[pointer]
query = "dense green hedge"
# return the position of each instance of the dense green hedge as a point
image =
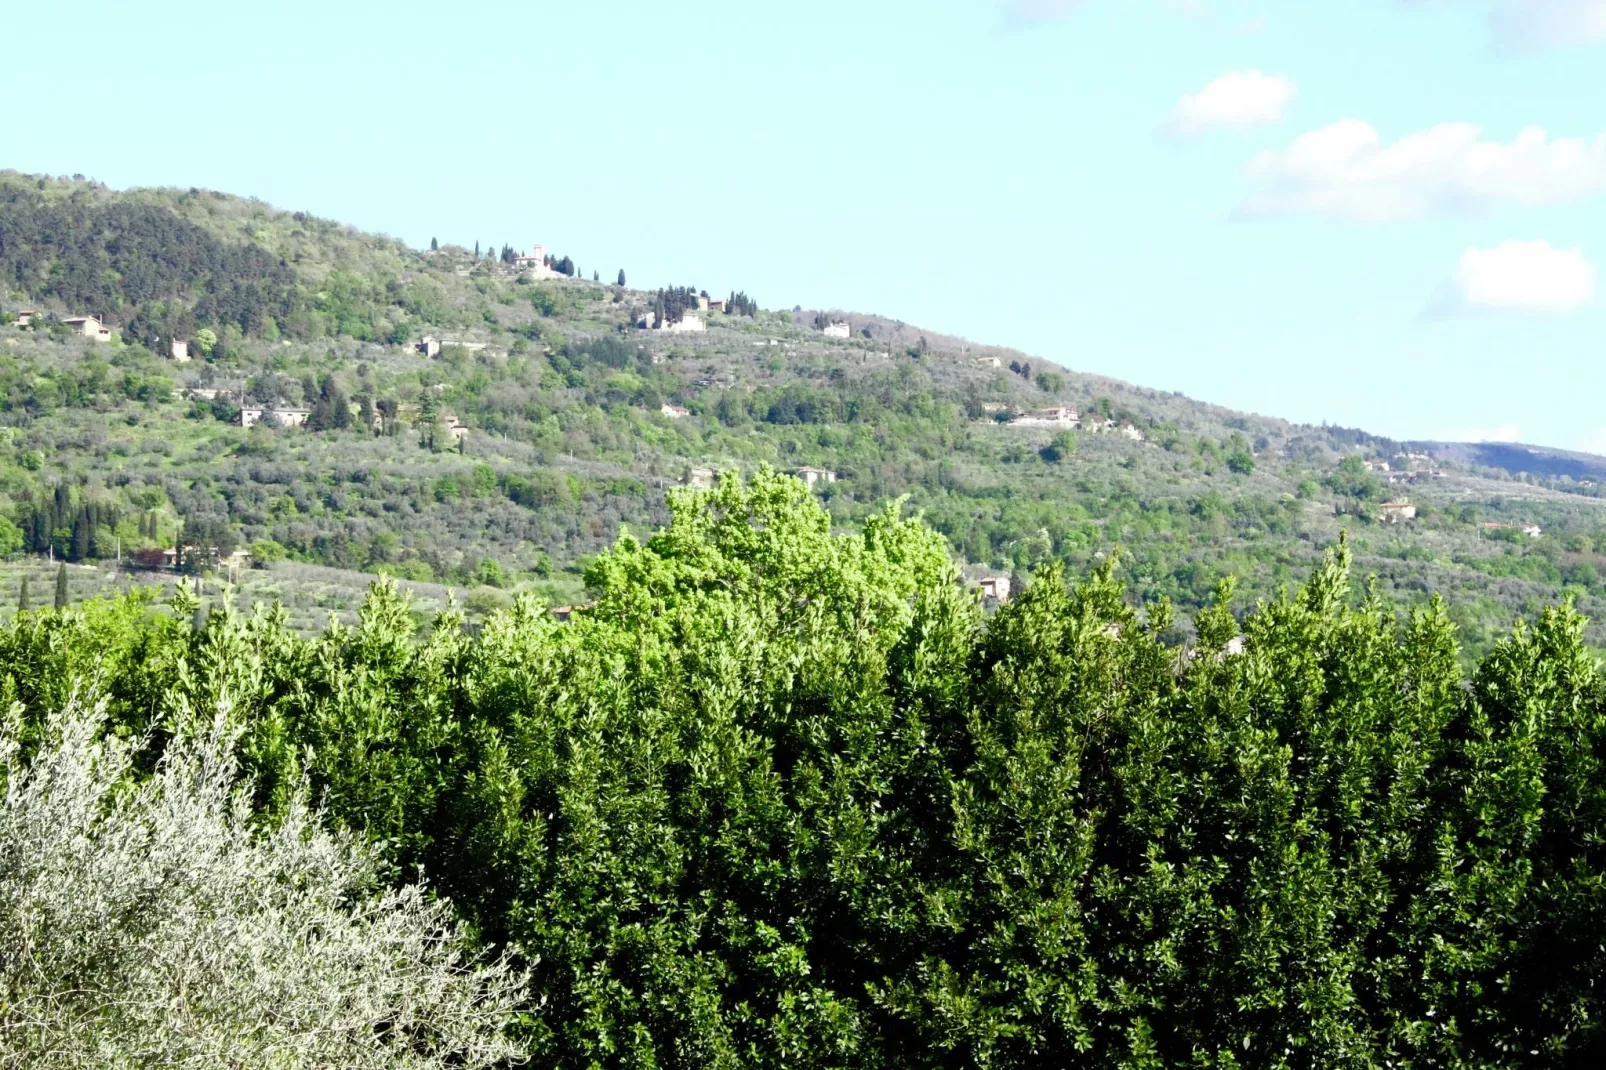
(787, 798)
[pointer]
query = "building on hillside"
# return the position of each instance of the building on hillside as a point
(204, 393)
(1396, 511)
(716, 305)
(534, 265)
(994, 588)
(1533, 531)
(26, 316)
(702, 478)
(235, 563)
(282, 416)
(428, 346)
(989, 362)
(1131, 431)
(455, 427)
(689, 324)
(674, 412)
(179, 351)
(813, 477)
(1059, 416)
(702, 303)
(837, 329)
(1376, 466)
(90, 327)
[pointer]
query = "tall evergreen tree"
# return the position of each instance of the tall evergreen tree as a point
(434, 246)
(621, 281)
(22, 597)
(79, 549)
(61, 586)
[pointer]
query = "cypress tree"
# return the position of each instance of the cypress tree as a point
(621, 282)
(80, 537)
(434, 246)
(22, 597)
(61, 586)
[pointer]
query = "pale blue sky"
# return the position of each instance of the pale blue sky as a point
(1015, 171)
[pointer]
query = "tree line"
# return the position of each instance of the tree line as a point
(782, 796)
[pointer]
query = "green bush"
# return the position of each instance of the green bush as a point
(780, 796)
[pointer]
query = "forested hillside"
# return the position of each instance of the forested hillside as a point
(1244, 767)
(544, 421)
(786, 796)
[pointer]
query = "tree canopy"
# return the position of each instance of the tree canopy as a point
(780, 795)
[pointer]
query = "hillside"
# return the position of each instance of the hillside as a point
(548, 421)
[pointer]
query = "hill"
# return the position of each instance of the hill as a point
(545, 421)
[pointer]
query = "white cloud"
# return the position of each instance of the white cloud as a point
(1530, 24)
(1345, 171)
(1518, 276)
(1503, 433)
(1238, 99)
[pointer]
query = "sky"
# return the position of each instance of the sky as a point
(1388, 214)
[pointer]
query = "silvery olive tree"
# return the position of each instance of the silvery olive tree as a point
(149, 921)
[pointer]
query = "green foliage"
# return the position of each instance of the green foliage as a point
(155, 272)
(780, 795)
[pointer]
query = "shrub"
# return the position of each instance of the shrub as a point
(151, 924)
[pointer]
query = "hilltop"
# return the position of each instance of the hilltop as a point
(476, 425)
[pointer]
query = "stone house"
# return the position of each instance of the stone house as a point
(674, 412)
(995, 588)
(180, 351)
(837, 329)
(1396, 511)
(813, 477)
(90, 327)
(702, 478)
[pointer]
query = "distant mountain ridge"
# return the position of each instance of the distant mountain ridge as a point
(1519, 457)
